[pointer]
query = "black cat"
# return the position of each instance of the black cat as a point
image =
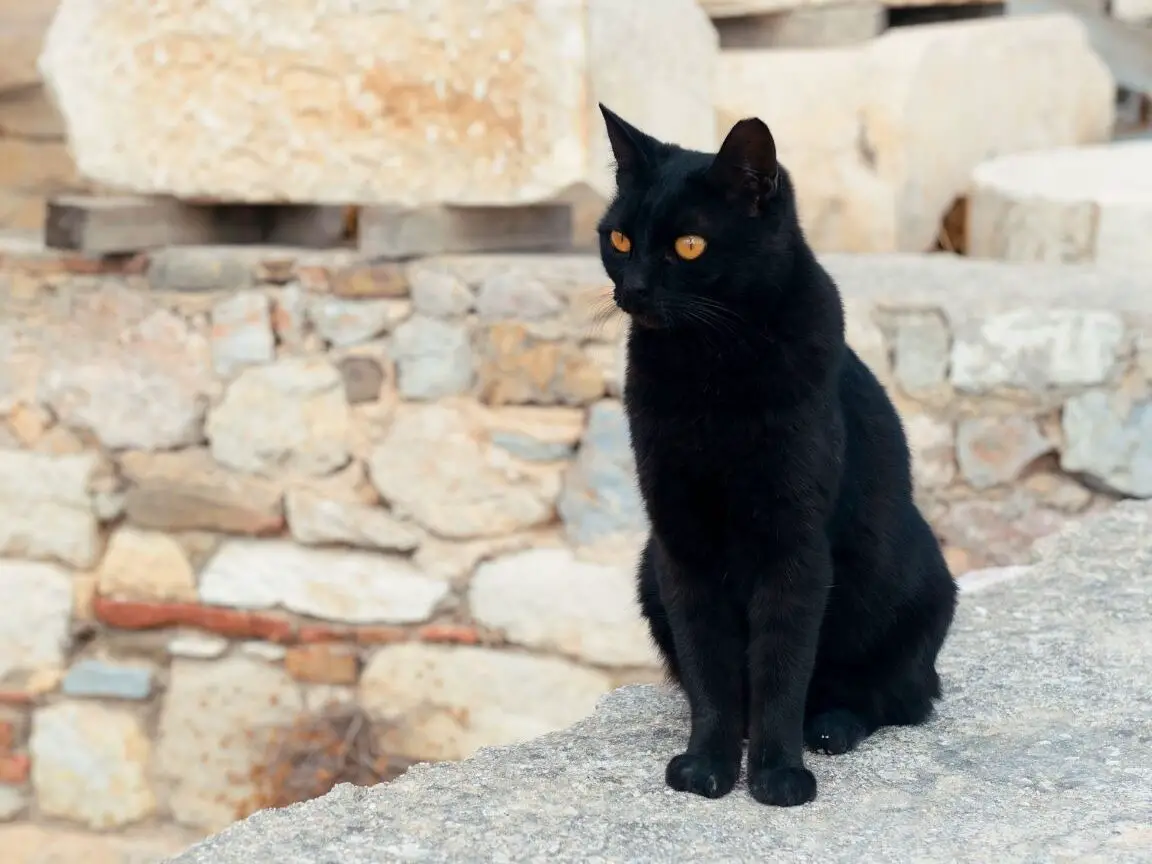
(795, 591)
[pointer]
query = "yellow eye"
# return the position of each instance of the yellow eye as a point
(690, 246)
(620, 242)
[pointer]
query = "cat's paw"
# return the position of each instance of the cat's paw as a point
(783, 787)
(701, 775)
(834, 732)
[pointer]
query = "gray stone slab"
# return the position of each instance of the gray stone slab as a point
(1040, 753)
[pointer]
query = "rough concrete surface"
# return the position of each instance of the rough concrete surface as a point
(1040, 753)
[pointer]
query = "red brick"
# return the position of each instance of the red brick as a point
(16, 697)
(455, 634)
(7, 736)
(380, 635)
(324, 663)
(15, 768)
(310, 634)
(233, 623)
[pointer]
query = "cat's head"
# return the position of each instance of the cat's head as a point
(692, 238)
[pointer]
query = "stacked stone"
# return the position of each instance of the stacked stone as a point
(239, 484)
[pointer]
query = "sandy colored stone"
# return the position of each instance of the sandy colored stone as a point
(136, 376)
(1065, 205)
(187, 490)
(450, 701)
(22, 27)
(146, 565)
(322, 664)
(515, 368)
(90, 765)
(35, 601)
(46, 512)
(437, 465)
(210, 735)
(447, 101)
(994, 450)
(333, 584)
(548, 600)
(318, 520)
(873, 135)
(25, 843)
(291, 415)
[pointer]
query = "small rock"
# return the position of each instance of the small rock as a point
(266, 651)
(95, 678)
(548, 600)
(209, 747)
(600, 497)
(537, 434)
(931, 441)
(438, 293)
(138, 378)
(185, 268)
(1110, 439)
(90, 764)
(324, 663)
(922, 345)
(290, 315)
(369, 281)
(437, 465)
(316, 520)
(197, 646)
(291, 415)
(433, 358)
(46, 511)
(514, 296)
(335, 585)
(29, 423)
(1059, 491)
(448, 701)
(13, 802)
(145, 565)
(362, 377)
(35, 603)
(188, 491)
(1037, 349)
(994, 450)
(348, 322)
(241, 333)
(1000, 532)
(517, 368)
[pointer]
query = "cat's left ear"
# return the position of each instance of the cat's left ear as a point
(746, 169)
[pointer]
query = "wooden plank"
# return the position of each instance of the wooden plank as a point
(311, 226)
(398, 233)
(105, 226)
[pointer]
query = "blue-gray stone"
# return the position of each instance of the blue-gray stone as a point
(95, 678)
(1110, 440)
(600, 496)
(531, 449)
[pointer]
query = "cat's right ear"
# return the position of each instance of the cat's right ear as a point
(631, 148)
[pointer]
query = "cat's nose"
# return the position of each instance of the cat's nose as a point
(635, 286)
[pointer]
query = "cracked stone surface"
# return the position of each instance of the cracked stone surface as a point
(1039, 753)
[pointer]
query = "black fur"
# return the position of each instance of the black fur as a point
(793, 588)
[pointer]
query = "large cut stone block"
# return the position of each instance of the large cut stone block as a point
(449, 101)
(882, 139)
(1067, 205)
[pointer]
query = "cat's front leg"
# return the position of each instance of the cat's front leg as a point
(784, 628)
(708, 635)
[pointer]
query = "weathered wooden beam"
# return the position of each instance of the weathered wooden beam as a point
(400, 232)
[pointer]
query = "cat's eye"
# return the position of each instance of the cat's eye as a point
(690, 246)
(620, 242)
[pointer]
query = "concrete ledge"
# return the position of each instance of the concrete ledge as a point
(1039, 753)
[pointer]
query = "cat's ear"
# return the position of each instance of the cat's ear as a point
(746, 169)
(632, 149)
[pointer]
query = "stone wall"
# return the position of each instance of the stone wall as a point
(239, 485)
